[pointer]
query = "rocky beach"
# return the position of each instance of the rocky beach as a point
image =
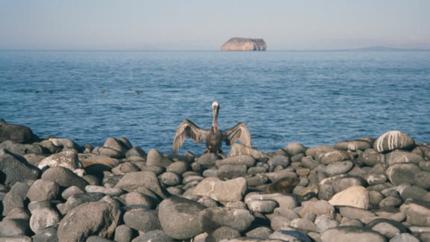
(371, 189)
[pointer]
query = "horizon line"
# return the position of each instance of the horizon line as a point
(369, 48)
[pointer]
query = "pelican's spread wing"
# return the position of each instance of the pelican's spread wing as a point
(238, 133)
(188, 129)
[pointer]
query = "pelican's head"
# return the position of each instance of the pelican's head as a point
(215, 108)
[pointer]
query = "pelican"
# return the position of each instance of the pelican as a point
(213, 136)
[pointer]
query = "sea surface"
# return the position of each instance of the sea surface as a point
(286, 96)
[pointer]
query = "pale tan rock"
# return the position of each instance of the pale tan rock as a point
(355, 196)
(222, 191)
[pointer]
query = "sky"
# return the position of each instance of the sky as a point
(205, 25)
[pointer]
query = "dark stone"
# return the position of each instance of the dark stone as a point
(356, 213)
(78, 199)
(246, 160)
(124, 168)
(317, 207)
(347, 181)
(223, 233)
(13, 227)
(23, 149)
(16, 133)
(317, 150)
(97, 239)
(388, 228)
(135, 151)
(239, 219)
(338, 168)
(18, 213)
(353, 145)
(42, 190)
(177, 167)
(134, 180)
(114, 147)
(42, 218)
(279, 160)
(38, 205)
(64, 177)
(174, 211)
(413, 192)
(417, 212)
(370, 157)
(408, 173)
(406, 237)
(400, 156)
(97, 170)
(70, 191)
(259, 233)
(15, 198)
(15, 168)
(94, 218)
(231, 171)
(290, 235)
(351, 233)
(207, 160)
(142, 220)
(333, 156)
(154, 158)
(63, 144)
(390, 202)
(46, 235)
(170, 179)
(123, 233)
(19, 238)
(153, 236)
(138, 200)
(284, 185)
(294, 149)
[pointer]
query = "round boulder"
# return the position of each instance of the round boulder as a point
(93, 218)
(180, 218)
(64, 177)
(42, 218)
(16, 133)
(42, 190)
(350, 233)
(392, 140)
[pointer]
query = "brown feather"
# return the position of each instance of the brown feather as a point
(238, 133)
(188, 129)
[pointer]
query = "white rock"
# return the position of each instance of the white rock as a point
(67, 159)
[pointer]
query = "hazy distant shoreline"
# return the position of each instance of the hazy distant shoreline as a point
(363, 49)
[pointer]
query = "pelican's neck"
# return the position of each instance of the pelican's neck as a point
(215, 120)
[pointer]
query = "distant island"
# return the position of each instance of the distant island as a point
(244, 44)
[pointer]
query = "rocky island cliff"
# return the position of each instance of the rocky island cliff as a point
(244, 44)
(367, 189)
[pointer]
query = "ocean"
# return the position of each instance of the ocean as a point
(311, 97)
